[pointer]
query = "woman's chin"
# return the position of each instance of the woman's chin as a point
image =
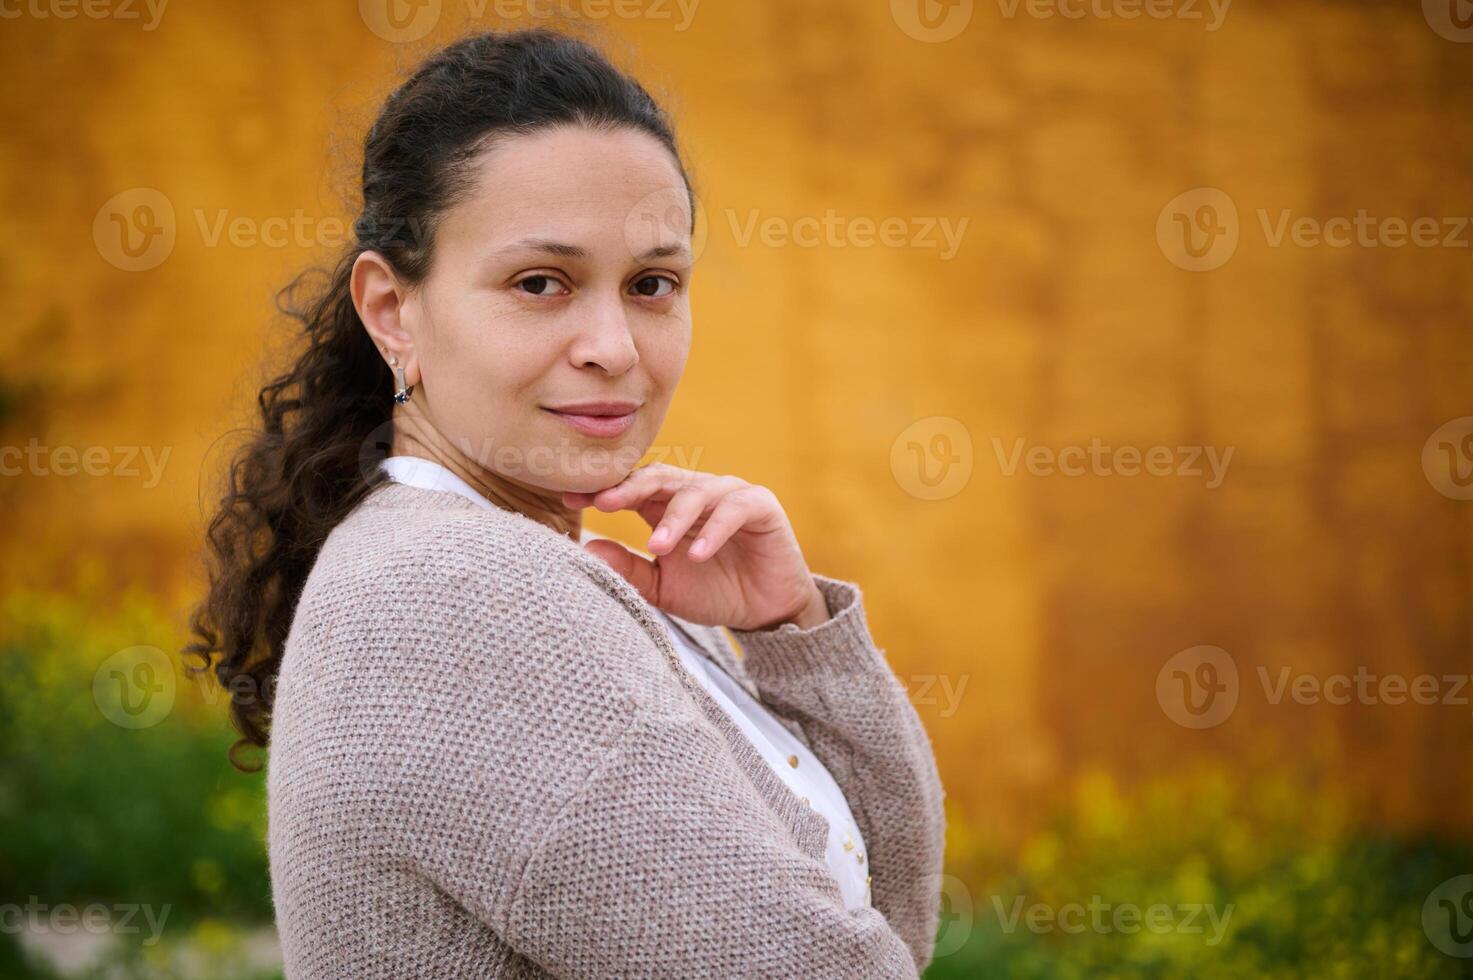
(594, 481)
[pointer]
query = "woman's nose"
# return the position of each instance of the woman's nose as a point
(604, 339)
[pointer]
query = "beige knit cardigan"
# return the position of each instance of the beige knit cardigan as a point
(487, 760)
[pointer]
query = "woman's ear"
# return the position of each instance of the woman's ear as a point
(380, 299)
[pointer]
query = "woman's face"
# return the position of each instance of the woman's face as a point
(561, 280)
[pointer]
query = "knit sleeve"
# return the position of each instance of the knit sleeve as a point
(855, 714)
(568, 792)
(667, 864)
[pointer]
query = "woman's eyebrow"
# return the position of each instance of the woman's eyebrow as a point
(664, 251)
(544, 245)
(564, 250)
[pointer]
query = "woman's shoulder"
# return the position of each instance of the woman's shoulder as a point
(456, 651)
(438, 527)
(405, 546)
(427, 595)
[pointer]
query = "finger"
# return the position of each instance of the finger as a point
(639, 572)
(685, 509)
(655, 480)
(618, 496)
(731, 514)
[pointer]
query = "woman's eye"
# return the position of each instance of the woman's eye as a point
(538, 285)
(651, 286)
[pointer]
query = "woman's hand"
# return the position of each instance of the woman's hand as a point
(725, 552)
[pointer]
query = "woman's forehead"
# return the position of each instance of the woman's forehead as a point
(571, 185)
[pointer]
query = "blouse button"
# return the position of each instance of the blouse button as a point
(805, 800)
(793, 761)
(859, 857)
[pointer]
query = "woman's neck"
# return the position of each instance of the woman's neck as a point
(415, 436)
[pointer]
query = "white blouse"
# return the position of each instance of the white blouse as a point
(789, 758)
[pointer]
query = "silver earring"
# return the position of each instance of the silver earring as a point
(402, 391)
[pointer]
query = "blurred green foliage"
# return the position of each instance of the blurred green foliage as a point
(1296, 887)
(91, 811)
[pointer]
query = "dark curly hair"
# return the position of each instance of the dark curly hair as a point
(305, 469)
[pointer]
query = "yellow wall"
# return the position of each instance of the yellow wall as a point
(1061, 318)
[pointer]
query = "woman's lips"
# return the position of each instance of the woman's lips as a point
(598, 426)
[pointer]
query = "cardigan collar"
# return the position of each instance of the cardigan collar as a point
(429, 474)
(810, 828)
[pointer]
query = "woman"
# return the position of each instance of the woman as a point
(499, 745)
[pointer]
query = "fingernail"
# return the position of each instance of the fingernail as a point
(699, 548)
